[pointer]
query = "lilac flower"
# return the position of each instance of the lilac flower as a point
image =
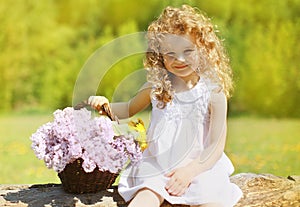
(76, 134)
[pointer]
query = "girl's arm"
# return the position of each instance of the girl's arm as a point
(216, 134)
(139, 102)
(125, 110)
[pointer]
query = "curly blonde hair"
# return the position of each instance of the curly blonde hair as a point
(181, 21)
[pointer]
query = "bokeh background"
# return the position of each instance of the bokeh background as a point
(45, 44)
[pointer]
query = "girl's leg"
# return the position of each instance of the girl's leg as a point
(146, 198)
(209, 205)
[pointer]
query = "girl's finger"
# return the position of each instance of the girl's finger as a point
(90, 99)
(175, 189)
(180, 192)
(169, 174)
(171, 183)
(96, 101)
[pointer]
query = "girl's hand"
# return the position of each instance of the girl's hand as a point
(180, 179)
(97, 102)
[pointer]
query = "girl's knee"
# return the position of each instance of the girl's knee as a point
(209, 205)
(146, 197)
(148, 191)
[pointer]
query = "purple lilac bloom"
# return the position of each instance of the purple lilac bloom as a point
(75, 134)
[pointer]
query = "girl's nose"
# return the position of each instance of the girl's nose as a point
(181, 57)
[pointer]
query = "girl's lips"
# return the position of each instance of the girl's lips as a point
(180, 66)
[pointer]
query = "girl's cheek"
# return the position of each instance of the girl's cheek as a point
(195, 61)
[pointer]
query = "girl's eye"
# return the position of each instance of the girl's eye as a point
(188, 51)
(170, 54)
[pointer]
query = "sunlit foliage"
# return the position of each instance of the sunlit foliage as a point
(44, 45)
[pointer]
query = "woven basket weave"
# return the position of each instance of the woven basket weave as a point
(75, 180)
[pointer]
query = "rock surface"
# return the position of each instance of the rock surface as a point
(259, 190)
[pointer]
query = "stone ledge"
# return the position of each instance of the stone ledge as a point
(259, 190)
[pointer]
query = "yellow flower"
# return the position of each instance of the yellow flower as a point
(140, 128)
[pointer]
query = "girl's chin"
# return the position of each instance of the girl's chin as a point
(183, 72)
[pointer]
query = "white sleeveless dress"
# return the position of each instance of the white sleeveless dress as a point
(177, 135)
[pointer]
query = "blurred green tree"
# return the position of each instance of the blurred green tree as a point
(45, 44)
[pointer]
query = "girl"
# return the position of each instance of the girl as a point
(189, 81)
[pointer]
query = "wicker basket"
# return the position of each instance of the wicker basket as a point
(75, 180)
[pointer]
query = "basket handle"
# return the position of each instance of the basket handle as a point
(104, 108)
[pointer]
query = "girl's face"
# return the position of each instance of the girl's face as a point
(180, 56)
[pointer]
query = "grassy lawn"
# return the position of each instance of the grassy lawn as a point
(254, 145)
(18, 163)
(264, 145)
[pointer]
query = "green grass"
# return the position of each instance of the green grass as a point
(18, 163)
(254, 145)
(264, 145)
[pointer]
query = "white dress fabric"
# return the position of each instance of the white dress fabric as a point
(177, 134)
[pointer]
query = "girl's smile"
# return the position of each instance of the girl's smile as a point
(180, 66)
